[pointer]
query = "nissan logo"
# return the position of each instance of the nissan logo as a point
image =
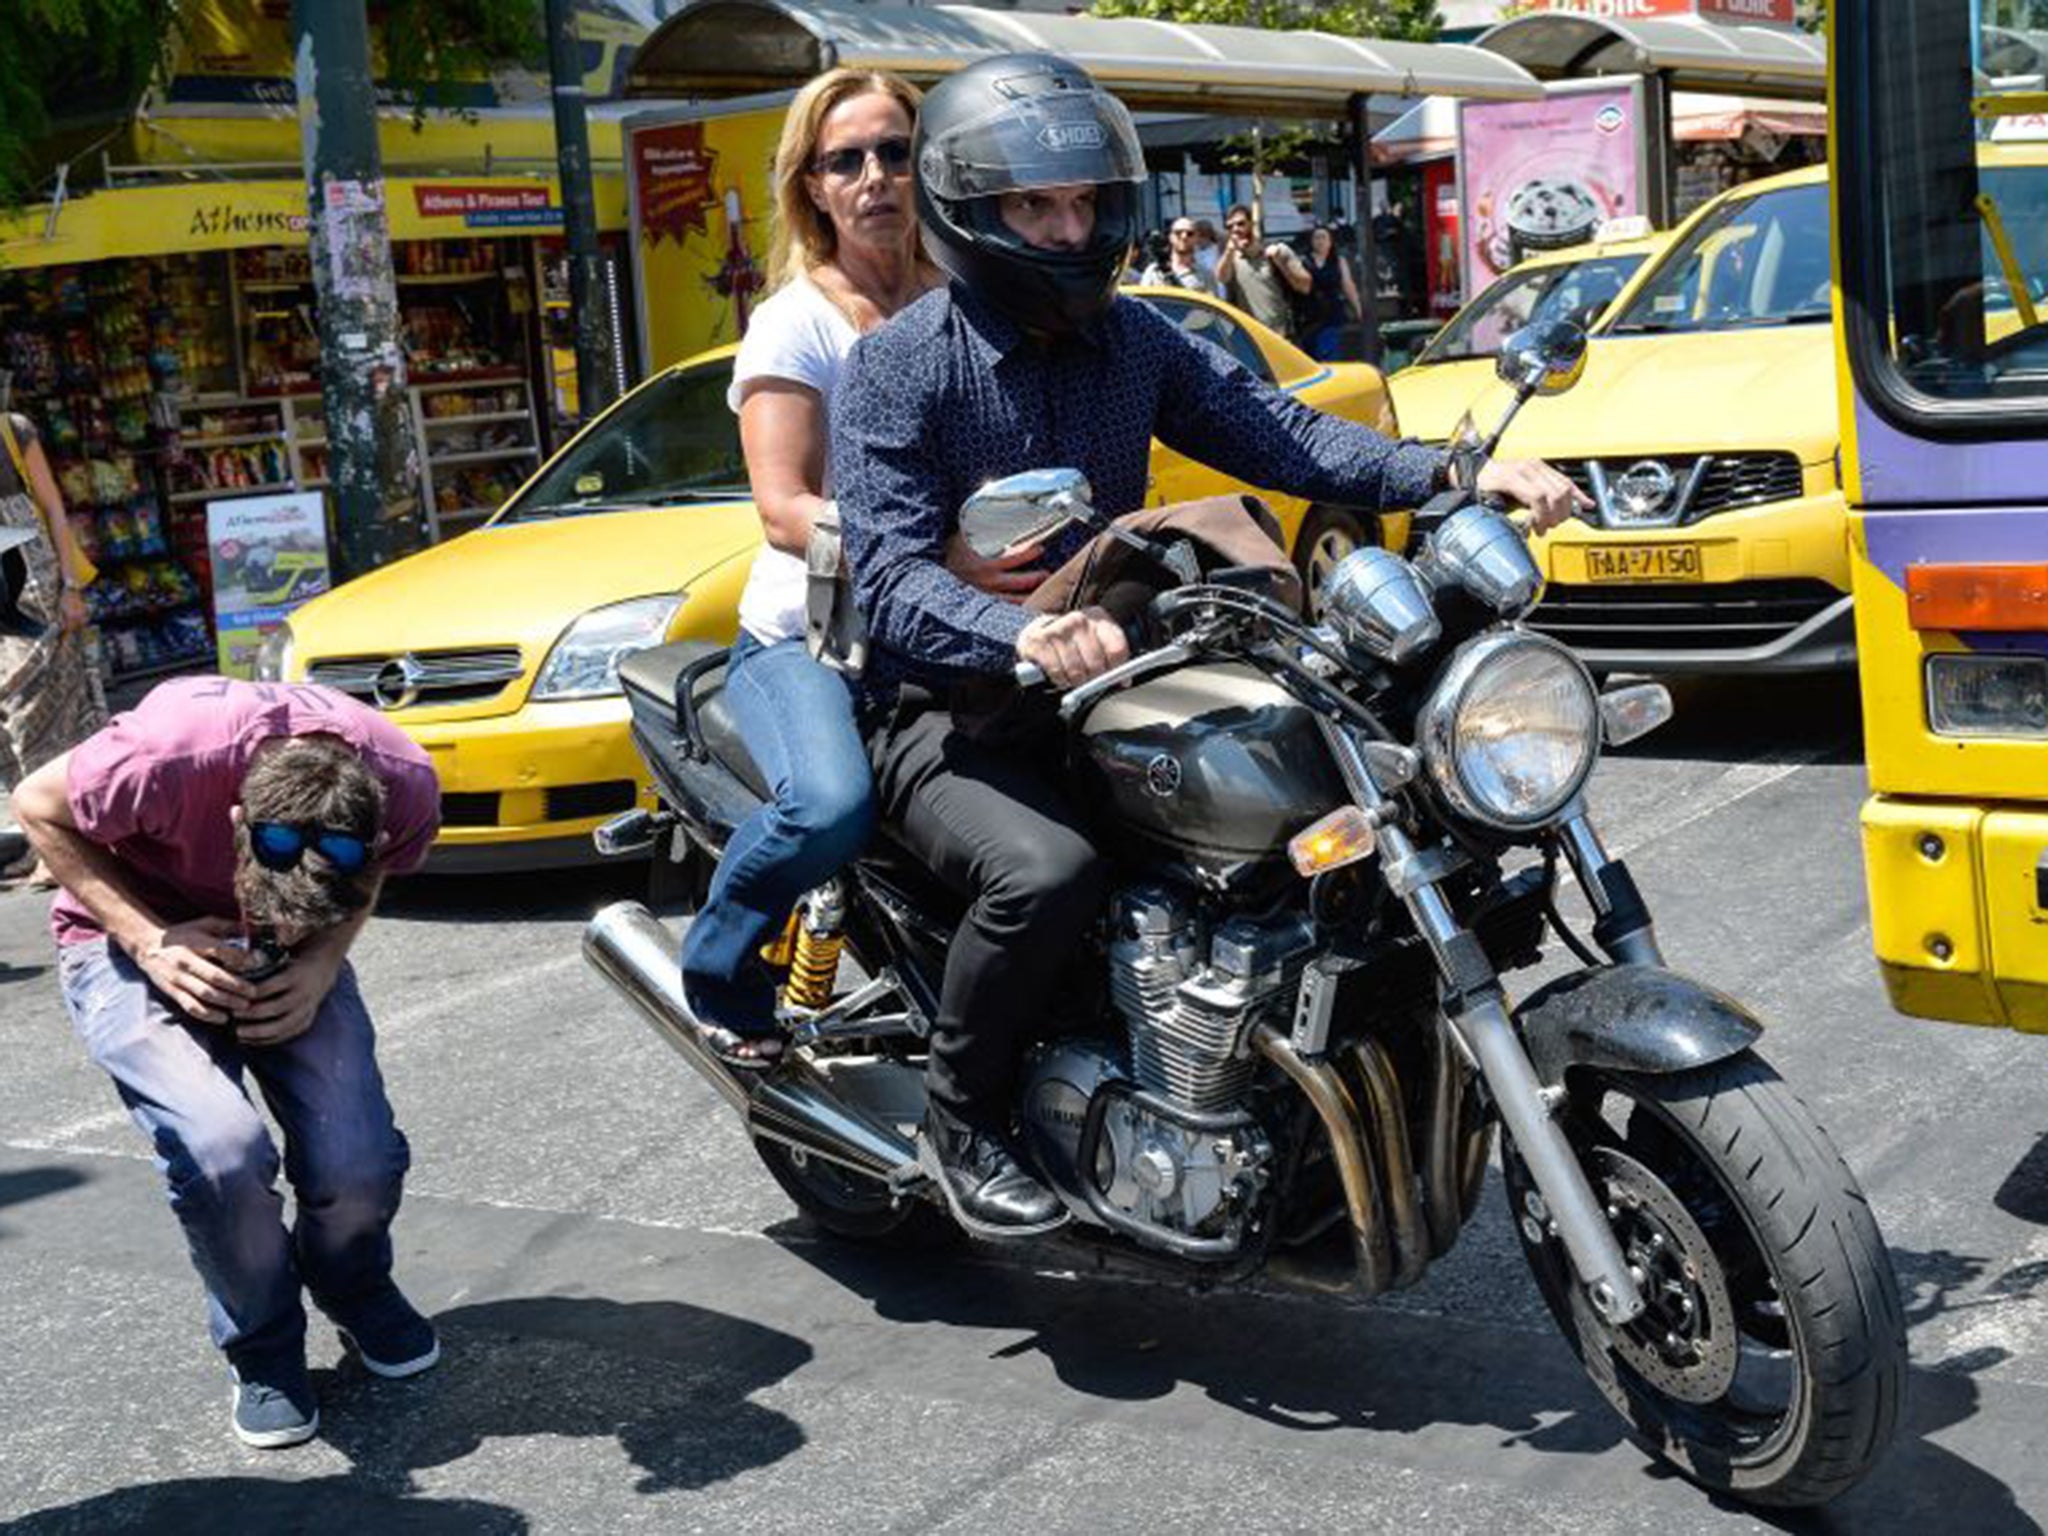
(1643, 491)
(397, 683)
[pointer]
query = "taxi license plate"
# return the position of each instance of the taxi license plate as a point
(1644, 562)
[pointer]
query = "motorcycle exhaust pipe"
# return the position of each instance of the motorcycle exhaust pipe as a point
(1363, 1207)
(1386, 1120)
(634, 951)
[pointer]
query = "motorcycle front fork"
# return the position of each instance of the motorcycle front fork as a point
(1477, 1009)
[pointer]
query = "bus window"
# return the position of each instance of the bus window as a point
(1950, 304)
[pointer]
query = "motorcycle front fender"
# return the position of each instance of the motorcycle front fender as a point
(1632, 1018)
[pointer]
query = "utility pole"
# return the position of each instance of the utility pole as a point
(589, 294)
(372, 453)
(1368, 259)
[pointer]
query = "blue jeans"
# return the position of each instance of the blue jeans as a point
(797, 720)
(346, 1159)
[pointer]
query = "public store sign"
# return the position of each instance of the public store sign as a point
(484, 206)
(1777, 13)
(269, 555)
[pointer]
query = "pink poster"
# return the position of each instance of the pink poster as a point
(1537, 175)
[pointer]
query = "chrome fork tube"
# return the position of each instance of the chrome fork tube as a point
(1481, 1025)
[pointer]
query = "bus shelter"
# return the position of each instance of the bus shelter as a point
(714, 57)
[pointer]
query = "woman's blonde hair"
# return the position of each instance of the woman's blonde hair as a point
(804, 236)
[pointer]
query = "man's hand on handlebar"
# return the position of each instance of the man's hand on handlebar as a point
(1531, 483)
(1070, 648)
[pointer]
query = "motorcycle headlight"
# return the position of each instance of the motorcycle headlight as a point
(585, 662)
(274, 655)
(1511, 730)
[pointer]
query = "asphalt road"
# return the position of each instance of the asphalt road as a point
(640, 1336)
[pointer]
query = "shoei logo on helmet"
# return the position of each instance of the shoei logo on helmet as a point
(1060, 137)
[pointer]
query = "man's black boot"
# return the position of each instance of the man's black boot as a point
(988, 1191)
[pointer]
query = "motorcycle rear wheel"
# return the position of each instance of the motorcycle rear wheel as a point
(1771, 1360)
(851, 1206)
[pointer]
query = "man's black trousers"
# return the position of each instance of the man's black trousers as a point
(993, 822)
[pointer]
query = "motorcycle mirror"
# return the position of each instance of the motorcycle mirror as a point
(1545, 358)
(1025, 508)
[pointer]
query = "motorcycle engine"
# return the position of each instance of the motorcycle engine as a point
(1189, 1019)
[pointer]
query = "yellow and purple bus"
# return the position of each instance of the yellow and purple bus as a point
(1940, 156)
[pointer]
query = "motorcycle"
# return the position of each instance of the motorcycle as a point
(1288, 1048)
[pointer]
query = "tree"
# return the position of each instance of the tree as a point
(1410, 20)
(72, 71)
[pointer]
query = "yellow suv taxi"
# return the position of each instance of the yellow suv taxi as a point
(1705, 430)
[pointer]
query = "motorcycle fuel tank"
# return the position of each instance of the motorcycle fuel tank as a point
(1214, 767)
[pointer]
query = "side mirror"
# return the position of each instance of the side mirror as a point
(1025, 508)
(1546, 358)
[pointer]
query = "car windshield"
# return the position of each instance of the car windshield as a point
(674, 440)
(1754, 261)
(1577, 291)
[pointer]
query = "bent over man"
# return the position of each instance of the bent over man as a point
(219, 849)
(1027, 195)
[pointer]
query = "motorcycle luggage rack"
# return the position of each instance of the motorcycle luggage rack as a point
(688, 732)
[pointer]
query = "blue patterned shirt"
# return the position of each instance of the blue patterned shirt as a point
(949, 395)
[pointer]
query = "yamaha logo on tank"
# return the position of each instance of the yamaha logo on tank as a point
(1162, 775)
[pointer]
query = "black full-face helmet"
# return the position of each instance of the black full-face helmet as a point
(1010, 124)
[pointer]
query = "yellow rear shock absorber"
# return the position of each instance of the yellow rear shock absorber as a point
(820, 935)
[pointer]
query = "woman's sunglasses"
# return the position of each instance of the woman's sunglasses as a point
(850, 160)
(279, 845)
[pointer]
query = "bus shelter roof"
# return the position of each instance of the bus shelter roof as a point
(717, 48)
(1693, 54)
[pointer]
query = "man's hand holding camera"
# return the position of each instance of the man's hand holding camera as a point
(193, 965)
(284, 1004)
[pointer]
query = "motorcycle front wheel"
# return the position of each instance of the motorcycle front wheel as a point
(1770, 1359)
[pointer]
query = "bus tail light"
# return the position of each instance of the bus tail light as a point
(1996, 597)
(1987, 695)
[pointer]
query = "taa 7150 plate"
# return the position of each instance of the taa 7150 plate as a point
(1644, 562)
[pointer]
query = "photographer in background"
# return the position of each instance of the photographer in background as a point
(220, 847)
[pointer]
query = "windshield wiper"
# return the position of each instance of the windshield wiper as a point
(625, 503)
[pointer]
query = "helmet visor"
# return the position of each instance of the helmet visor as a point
(1051, 139)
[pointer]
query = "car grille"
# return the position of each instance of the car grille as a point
(1707, 616)
(469, 808)
(421, 677)
(1730, 480)
(573, 802)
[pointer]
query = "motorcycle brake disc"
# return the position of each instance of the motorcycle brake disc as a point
(1684, 1344)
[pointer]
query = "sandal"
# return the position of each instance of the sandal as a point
(749, 1053)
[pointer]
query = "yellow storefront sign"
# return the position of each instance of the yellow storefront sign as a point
(225, 215)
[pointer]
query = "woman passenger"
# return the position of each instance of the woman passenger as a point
(845, 257)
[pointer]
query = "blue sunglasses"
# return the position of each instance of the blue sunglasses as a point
(279, 845)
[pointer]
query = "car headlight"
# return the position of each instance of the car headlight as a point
(1511, 730)
(585, 662)
(274, 655)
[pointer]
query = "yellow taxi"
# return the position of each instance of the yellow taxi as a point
(499, 651)
(1705, 430)
(1575, 283)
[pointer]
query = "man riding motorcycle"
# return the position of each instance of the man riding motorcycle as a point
(1027, 195)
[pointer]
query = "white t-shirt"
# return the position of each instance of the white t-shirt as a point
(801, 336)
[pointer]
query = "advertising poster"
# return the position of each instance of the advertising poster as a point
(269, 555)
(1539, 175)
(702, 214)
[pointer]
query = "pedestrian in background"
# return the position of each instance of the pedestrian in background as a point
(1180, 269)
(1208, 251)
(1332, 296)
(1260, 279)
(51, 695)
(220, 846)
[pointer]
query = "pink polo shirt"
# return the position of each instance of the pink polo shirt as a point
(157, 785)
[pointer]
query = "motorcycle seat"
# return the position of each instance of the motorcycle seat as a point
(649, 679)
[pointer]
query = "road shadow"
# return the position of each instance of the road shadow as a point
(20, 1185)
(207, 1505)
(2024, 1192)
(1744, 719)
(528, 895)
(1337, 1367)
(670, 1382)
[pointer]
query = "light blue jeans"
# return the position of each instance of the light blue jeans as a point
(183, 1083)
(797, 719)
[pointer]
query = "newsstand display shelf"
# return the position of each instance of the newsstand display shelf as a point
(477, 443)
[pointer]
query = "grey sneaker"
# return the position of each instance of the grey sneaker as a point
(388, 1335)
(274, 1404)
